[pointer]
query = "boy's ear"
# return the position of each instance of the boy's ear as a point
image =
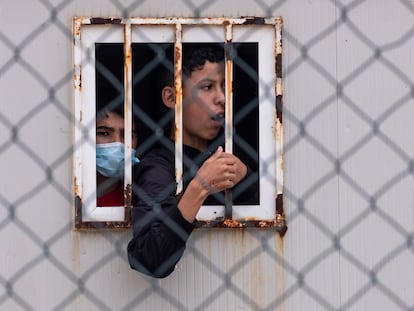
(168, 96)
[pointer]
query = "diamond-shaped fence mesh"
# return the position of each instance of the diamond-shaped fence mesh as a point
(348, 155)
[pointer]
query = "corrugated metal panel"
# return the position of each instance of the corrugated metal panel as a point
(348, 233)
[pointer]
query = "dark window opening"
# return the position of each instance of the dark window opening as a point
(152, 64)
(246, 117)
(109, 123)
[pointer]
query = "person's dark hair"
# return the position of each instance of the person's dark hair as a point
(103, 110)
(195, 56)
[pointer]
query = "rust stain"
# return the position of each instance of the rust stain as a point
(178, 56)
(127, 50)
(231, 223)
(78, 211)
(279, 224)
(95, 225)
(77, 78)
(279, 108)
(246, 20)
(105, 20)
(128, 82)
(279, 20)
(278, 65)
(76, 187)
(254, 21)
(104, 225)
(229, 91)
(76, 45)
(280, 218)
(278, 68)
(177, 78)
(128, 203)
(77, 27)
(178, 107)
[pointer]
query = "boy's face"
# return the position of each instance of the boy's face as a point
(203, 105)
(110, 128)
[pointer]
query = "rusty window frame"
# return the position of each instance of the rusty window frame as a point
(86, 215)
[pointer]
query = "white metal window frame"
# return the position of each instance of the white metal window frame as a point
(266, 32)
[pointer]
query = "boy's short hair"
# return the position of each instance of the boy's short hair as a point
(104, 112)
(195, 56)
(115, 106)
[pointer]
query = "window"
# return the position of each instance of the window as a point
(119, 61)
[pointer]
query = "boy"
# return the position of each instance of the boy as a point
(110, 157)
(162, 222)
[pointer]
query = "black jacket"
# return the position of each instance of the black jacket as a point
(160, 232)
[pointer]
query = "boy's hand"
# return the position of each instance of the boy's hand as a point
(221, 171)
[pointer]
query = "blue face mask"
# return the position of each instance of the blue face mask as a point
(110, 159)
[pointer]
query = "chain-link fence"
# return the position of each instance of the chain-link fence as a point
(348, 169)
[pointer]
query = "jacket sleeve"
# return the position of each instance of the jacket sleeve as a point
(159, 230)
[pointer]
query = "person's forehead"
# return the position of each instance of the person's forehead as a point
(113, 120)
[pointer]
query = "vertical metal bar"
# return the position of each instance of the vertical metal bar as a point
(178, 47)
(228, 127)
(279, 106)
(128, 112)
(78, 157)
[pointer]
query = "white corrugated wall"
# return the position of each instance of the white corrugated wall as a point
(348, 167)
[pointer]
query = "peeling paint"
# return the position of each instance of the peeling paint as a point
(279, 224)
(178, 54)
(77, 22)
(251, 20)
(76, 187)
(109, 20)
(128, 203)
(255, 21)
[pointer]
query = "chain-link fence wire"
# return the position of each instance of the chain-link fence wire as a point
(10, 139)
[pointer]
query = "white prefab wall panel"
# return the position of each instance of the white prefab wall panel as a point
(376, 151)
(348, 180)
(312, 206)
